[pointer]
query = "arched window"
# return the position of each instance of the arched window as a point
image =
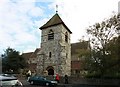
(66, 37)
(51, 35)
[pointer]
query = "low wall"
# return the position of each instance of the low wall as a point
(88, 81)
(94, 81)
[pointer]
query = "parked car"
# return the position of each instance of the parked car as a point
(8, 75)
(39, 80)
(9, 81)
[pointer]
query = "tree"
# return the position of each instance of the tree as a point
(114, 52)
(102, 36)
(12, 60)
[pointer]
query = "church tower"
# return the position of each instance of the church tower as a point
(55, 54)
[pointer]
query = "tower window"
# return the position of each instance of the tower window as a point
(50, 54)
(50, 35)
(66, 37)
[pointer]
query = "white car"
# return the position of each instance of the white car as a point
(9, 81)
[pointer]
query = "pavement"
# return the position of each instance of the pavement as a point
(64, 85)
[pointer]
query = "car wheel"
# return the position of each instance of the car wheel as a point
(47, 84)
(31, 82)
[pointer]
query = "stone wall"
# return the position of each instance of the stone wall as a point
(60, 50)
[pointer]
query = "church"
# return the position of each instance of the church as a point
(55, 54)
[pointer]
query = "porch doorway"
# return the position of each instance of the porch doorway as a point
(50, 70)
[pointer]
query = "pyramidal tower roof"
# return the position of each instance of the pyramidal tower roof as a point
(55, 20)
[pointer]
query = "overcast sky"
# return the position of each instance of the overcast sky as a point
(20, 19)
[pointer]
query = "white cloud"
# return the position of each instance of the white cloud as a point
(17, 25)
(20, 27)
(79, 14)
(36, 12)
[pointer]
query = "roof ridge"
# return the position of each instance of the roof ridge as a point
(55, 20)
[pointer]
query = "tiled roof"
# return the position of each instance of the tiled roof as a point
(55, 20)
(34, 54)
(27, 55)
(31, 54)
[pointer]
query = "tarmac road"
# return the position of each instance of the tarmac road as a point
(27, 84)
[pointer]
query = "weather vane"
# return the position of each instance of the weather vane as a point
(56, 8)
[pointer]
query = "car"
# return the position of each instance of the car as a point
(7, 75)
(9, 81)
(40, 80)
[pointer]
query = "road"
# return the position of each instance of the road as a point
(27, 84)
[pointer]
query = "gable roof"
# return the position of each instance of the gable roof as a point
(34, 54)
(31, 54)
(27, 55)
(55, 20)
